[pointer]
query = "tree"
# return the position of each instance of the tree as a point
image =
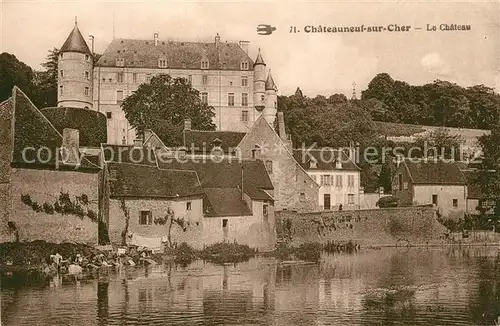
(14, 73)
(46, 81)
(163, 104)
(337, 99)
(488, 177)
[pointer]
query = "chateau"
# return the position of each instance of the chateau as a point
(238, 88)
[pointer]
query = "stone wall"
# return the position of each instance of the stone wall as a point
(388, 226)
(45, 186)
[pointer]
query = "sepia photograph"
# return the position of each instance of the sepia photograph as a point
(281, 163)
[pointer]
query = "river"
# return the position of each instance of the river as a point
(391, 286)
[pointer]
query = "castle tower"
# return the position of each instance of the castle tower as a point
(271, 100)
(259, 83)
(74, 82)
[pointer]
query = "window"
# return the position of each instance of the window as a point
(87, 57)
(204, 79)
(244, 116)
(62, 55)
(119, 77)
(455, 202)
(350, 199)
(86, 75)
(190, 78)
(326, 179)
(262, 98)
(146, 218)
(62, 73)
(134, 77)
(405, 185)
(350, 181)
(86, 91)
(204, 64)
(120, 62)
(108, 115)
(188, 206)
(244, 65)
(61, 90)
(230, 99)
(119, 97)
(434, 199)
(112, 174)
(265, 211)
(244, 99)
(313, 164)
(244, 81)
(204, 97)
(269, 166)
(148, 78)
(224, 223)
(338, 181)
(124, 141)
(302, 196)
(162, 63)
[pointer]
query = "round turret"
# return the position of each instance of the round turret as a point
(75, 66)
(271, 100)
(259, 83)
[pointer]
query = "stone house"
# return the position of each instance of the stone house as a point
(337, 175)
(238, 203)
(294, 188)
(48, 188)
(431, 182)
(152, 207)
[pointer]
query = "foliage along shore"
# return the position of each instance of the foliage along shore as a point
(35, 255)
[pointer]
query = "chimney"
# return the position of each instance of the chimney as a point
(281, 126)
(217, 40)
(244, 46)
(156, 39)
(70, 146)
(187, 124)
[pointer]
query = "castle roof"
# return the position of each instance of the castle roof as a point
(206, 140)
(75, 42)
(324, 159)
(270, 85)
(179, 55)
(259, 60)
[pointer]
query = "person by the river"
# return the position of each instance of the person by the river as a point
(57, 259)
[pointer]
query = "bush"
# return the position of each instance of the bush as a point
(389, 201)
(224, 252)
(184, 254)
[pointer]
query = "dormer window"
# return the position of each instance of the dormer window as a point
(204, 64)
(313, 164)
(162, 63)
(120, 62)
(217, 142)
(244, 65)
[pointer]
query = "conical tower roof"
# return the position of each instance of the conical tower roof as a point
(270, 85)
(259, 60)
(75, 42)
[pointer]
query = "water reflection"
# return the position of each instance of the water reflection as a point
(447, 286)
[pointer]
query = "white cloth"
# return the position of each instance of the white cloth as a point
(150, 243)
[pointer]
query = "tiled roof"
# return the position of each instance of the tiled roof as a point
(224, 202)
(134, 180)
(435, 172)
(129, 154)
(75, 43)
(207, 139)
(34, 132)
(228, 175)
(270, 85)
(259, 60)
(325, 159)
(179, 55)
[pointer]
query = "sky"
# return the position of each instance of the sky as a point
(319, 63)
